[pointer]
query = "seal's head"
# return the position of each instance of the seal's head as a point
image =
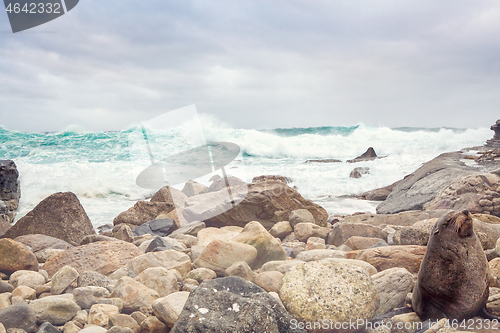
(458, 222)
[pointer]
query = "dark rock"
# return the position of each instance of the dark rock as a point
(158, 244)
(160, 227)
(233, 305)
(329, 160)
(267, 202)
(47, 328)
(10, 190)
(18, 315)
(359, 172)
(60, 215)
(91, 278)
(368, 155)
(282, 179)
(5, 287)
(189, 229)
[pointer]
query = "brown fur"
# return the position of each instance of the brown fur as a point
(454, 276)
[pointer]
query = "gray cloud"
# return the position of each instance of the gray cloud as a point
(264, 64)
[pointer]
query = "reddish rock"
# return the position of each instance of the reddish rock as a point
(60, 215)
(267, 202)
(163, 202)
(101, 257)
(406, 256)
(15, 256)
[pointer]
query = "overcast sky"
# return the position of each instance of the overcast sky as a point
(106, 65)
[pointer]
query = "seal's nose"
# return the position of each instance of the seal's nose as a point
(465, 212)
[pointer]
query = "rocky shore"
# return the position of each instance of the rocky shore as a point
(274, 262)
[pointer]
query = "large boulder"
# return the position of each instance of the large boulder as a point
(102, 257)
(232, 304)
(15, 256)
(267, 202)
(163, 202)
(60, 215)
(417, 190)
(10, 191)
(331, 291)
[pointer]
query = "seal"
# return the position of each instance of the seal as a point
(454, 276)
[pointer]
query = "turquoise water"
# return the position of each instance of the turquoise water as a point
(101, 167)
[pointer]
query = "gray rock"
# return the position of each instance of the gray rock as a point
(39, 242)
(232, 304)
(5, 287)
(192, 188)
(426, 183)
(342, 231)
(393, 285)
(47, 328)
(54, 309)
(91, 278)
(159, 227)
(330, 290)
(301, 216)
(158, 244)
(368, 155)
(189, 229)
(10, 190)
(359, 172)
(19, 315)
(85, 297)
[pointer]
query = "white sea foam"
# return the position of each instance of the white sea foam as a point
(98, 169)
